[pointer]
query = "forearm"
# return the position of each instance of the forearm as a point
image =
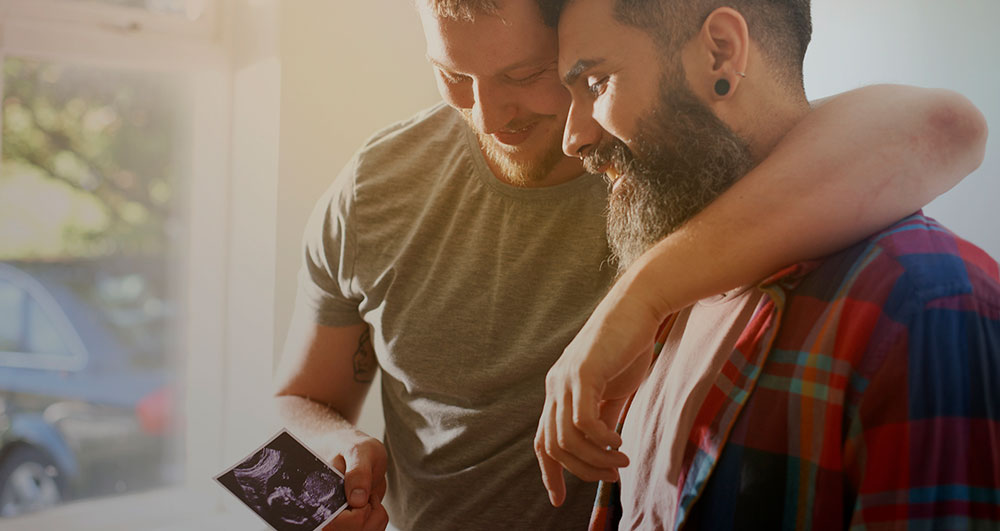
(854, 165)
(321, 426)
(322, 380)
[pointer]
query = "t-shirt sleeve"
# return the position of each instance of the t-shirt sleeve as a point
(926, 446)
(326, 284)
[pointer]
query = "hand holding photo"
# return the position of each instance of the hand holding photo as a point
(287, 485)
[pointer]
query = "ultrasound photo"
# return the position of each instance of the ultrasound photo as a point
(287, 485)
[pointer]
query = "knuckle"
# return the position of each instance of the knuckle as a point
(353, 453)
(551, 380)
(551, 448)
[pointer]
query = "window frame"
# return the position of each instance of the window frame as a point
(225, 207)
(96, 14)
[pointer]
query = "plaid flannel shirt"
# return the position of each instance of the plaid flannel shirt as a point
(864, 394)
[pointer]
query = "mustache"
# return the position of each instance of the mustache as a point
(609, 152)
(516, 124)
(612, 153)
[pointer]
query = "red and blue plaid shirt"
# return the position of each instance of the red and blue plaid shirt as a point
(864, 394)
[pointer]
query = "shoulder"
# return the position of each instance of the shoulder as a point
(933, 260)
(895, 291)
(913, 263)
(402, 156)
(429, 122)
(417, 144)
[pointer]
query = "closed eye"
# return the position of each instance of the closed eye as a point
(596, 88)
(453, 79)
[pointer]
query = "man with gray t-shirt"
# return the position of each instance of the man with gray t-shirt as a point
(460, 252)
(466, 313)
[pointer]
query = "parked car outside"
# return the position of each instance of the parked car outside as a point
(85, 387)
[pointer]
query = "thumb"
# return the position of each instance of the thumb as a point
(358, 477)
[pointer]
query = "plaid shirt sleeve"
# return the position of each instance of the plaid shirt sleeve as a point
(923, 448)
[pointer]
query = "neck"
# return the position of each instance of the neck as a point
(777, 119)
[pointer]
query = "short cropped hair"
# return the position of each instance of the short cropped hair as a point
(466, 10)
(782, 28)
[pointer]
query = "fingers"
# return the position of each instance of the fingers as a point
(378, 518)
(558, 445)
(365, 472)
(579, 455)
(371, 517)
(357, 480)
(350, 519)
(610, 412)
(378, 474)
(585, 418)
(573, 435)
(552, 476)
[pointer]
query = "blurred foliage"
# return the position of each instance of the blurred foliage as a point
(90, 161)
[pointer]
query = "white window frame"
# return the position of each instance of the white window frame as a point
(122, 19)
(227, 264)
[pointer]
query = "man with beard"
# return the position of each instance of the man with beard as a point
(861, 390)
(463, 251)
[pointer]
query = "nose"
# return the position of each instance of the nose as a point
(582, 131)
(494, 107)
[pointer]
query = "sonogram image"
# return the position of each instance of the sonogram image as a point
(287, 485)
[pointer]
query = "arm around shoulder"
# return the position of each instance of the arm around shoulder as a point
(857, 163)
(930, 139)
(852, 166)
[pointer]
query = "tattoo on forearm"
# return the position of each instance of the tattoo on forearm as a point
(365, 363)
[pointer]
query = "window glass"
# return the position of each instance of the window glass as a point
(94, 160)
(41, 336)
(10, 317)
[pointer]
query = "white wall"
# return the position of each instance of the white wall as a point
(352, 67)
(348, 68)
(926, 43)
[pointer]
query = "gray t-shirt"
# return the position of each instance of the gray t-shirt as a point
(472, 288)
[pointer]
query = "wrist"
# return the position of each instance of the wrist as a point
(642, 289)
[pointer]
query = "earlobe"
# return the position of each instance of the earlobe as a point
(726, 35)
(722, 87)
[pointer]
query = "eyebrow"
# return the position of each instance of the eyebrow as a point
(515, 66)
(579, 68)
(436, 63)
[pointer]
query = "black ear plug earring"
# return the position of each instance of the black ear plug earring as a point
(722, 87)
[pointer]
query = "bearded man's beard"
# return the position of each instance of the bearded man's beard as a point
(685, 157)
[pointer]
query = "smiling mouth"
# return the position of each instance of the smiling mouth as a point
(521, 130)
(612, 175)
(513, 137)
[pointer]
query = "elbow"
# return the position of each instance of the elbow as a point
(960, 131)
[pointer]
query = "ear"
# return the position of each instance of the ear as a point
(717, 55)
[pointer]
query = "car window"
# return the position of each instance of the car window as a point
(42, 336)
(11, 318)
